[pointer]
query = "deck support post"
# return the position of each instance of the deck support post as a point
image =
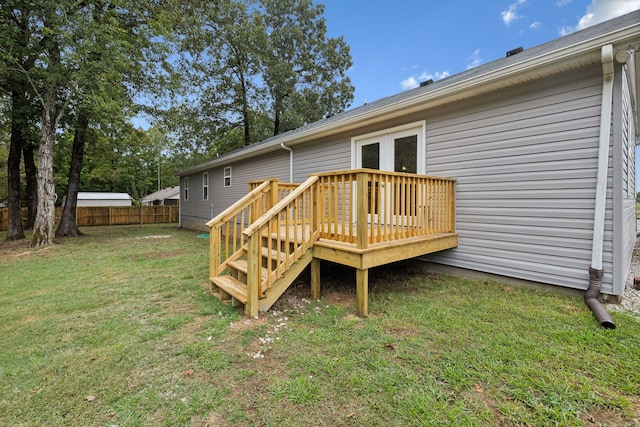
(254, 262)
(362, 292)
(315, 279)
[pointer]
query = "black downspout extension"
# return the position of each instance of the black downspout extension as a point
(591, 299)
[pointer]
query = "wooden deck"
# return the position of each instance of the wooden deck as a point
(360, 218)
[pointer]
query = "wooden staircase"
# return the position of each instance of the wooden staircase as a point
(262, 243)
(234, 282)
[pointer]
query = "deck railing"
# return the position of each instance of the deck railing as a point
(367, 206)
(280, 238)
(227, 239)
(276, 224)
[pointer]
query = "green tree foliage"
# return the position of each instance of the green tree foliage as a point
(73, 73)
(126, 160)
(304, 70)
(86, 58)
(257, 68)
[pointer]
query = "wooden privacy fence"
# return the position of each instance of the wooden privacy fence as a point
(109, 215)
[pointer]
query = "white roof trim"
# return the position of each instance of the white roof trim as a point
(97, 195)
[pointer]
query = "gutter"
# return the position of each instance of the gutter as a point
(596, 271)
(290, 150)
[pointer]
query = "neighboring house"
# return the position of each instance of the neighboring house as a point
(91, 198)
(166, 197)
(545, 169)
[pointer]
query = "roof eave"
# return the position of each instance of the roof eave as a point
(569, 57)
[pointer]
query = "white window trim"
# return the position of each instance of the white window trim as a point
(225, 176)
(186, 188)
(421, 130)
(205, 186)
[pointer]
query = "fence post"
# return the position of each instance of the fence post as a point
(140, 215)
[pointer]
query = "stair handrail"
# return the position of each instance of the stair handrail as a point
(260, 222)
(256, 231)
(240, 204)
(216, 263)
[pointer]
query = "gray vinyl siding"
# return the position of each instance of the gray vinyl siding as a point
(525, 163)
(624, 136)
(321, 156)
(195, 212)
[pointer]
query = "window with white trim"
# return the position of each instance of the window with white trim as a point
(227, 176)
(205, 186)
(185, 184)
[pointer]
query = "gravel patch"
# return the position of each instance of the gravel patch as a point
(631, 297)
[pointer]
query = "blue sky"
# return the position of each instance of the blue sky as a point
(397, 44)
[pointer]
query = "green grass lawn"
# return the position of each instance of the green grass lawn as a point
(117, 328)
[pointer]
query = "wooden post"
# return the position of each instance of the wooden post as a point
(253, 274)
(361, 206)
(362, 292)
(452, 212)
(109, 216)
(275, 197)
(315, 278)
(140, 215)
(214, 250)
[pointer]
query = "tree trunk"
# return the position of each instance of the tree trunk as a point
(245, 110)
(276, 120)
(31, 193)
(68, 226)
(15, 230)
(43, 228)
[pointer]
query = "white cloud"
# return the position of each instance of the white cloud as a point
(563, 3)
(474, 59)
(534, 25)
(409, 83)
(511, 14)
(414, 81)
(600, 11)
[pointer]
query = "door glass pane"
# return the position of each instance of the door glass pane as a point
(371, 156)
(405, 154)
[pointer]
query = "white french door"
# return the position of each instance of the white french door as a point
(395, 150)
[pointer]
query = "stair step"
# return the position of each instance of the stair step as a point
(274, 254)
(241, 265)
(283, 237)
(232, 286)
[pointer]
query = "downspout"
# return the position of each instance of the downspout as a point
(596, 271)
(290, 150)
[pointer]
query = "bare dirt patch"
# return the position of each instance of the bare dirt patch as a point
(18, 248)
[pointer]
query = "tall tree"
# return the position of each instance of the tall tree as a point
(221, 59)
(18, 53)
(259, 67)
(68, 226)
(126, 55)
(305, 71)
(89, 57)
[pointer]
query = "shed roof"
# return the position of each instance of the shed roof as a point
(102, 195)
(165, 193)
(565, 53)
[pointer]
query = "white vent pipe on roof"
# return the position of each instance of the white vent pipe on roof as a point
(596, 271)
